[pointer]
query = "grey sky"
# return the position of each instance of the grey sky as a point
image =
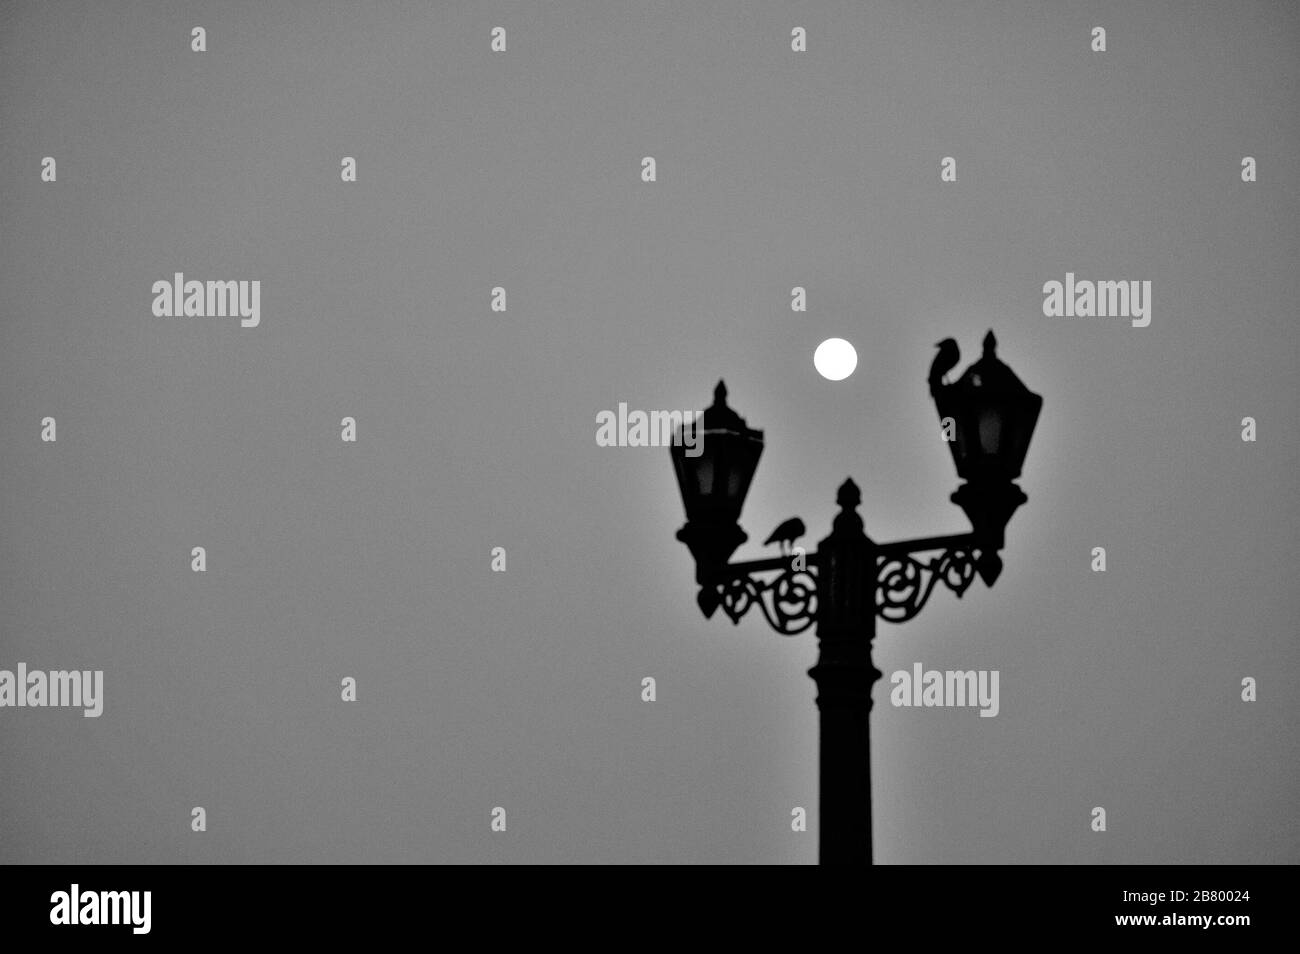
(477, 429)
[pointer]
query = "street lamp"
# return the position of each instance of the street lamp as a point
(994, 414)
(988, 417)
(714, 484)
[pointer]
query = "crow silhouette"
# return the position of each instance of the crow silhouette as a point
(786, 534)
(944, 362)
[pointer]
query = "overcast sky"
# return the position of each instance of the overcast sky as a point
(477, 429)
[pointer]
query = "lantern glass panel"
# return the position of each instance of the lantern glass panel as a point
(990, 429)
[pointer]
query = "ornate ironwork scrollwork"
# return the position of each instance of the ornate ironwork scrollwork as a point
(788, 601)
(904, 583)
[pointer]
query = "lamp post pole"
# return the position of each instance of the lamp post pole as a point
(845, 674)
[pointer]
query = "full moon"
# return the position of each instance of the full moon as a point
(835, 359)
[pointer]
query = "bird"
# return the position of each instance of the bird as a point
(787, 533)
(944, 362)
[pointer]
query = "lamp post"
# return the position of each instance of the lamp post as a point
(988, 417)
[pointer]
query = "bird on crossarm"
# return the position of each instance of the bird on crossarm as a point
(786, 534)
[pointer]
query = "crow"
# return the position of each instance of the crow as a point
(786, 534)
(944, 362)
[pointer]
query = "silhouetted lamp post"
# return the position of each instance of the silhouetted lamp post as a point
(851, 579)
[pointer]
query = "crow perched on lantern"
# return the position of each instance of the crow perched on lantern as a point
(947, 358)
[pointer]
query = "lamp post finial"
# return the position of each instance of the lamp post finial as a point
(849, 496)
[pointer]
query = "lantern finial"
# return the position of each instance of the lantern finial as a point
(720, 393)
(990, 343)
(849, 496)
